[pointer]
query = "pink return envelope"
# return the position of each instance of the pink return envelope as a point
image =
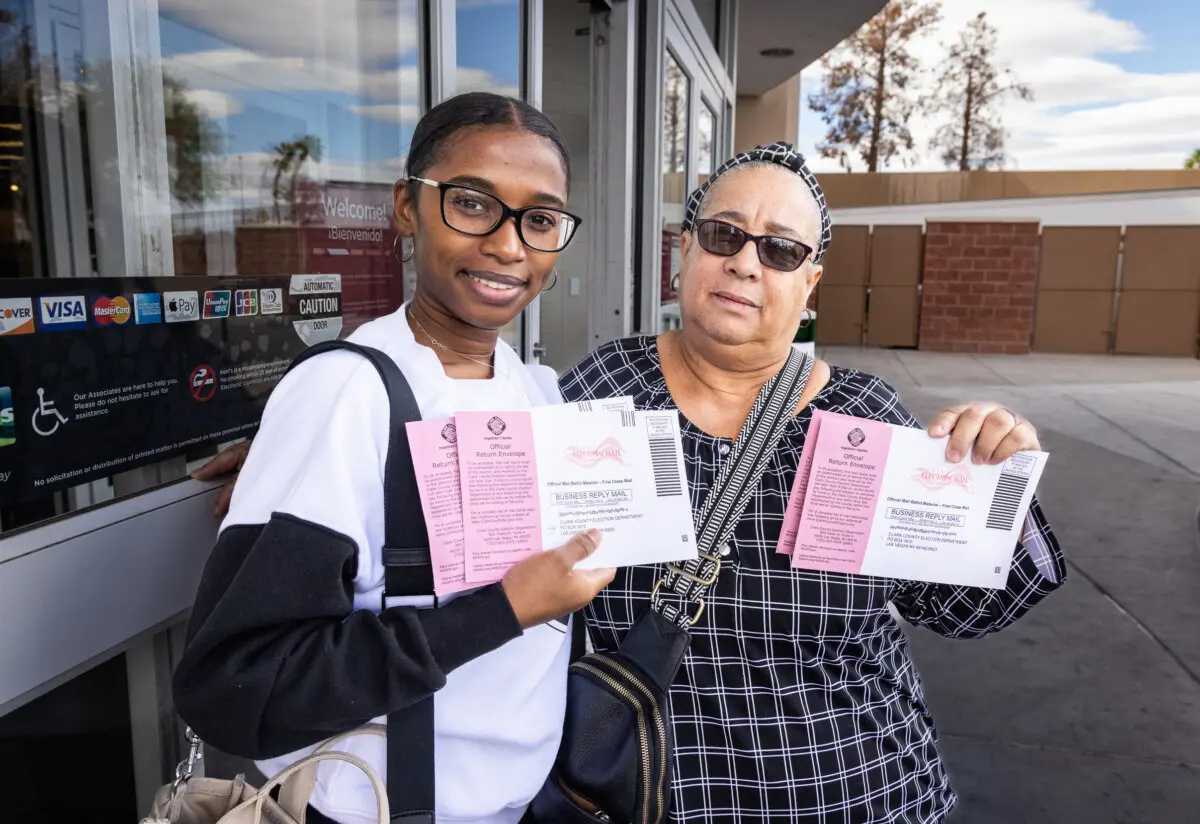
(791, 518)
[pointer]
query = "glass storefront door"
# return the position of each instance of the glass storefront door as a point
(217, 142)
(694, 135)
(191, 191)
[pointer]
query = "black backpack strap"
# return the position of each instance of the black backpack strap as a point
(408, 579)
(578, 636)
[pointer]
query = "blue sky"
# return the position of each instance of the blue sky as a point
(1116, 82)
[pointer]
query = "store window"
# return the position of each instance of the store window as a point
(488, 45)
(184, 210)
(675, 125)
(706, 127)
(710, 15)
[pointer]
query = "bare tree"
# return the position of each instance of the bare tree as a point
(867, 96)
(967, 89)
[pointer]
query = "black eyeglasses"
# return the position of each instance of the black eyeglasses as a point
(477, 213)
(780, 253)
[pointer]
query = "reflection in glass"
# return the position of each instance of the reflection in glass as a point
(706, 126)
(488, 44)
(286, 134)
(676, 94)
(283, 128)
(710, 16)
(488, 41)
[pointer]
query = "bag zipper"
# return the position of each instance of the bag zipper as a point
(660, 729)
(643, 732)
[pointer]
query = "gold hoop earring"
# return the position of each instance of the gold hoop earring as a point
(403, 257)
(675, 283)
(553, 283)
(806, 318)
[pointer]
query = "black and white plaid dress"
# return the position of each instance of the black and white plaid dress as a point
(797, 700)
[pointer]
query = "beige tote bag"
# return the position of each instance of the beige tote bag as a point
(194, 800)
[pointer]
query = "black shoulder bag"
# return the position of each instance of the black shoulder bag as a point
(616, 745)
(408, 578)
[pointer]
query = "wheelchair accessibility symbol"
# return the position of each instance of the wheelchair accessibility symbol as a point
(46, 419)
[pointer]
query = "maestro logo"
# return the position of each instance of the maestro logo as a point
(8, 421)
(216, 304)
(147, 308)
(181, 306)
(63, 312)
(16, 316)
(270, 301)
(112, 311)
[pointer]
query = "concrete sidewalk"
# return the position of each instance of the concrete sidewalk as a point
(1088, 710)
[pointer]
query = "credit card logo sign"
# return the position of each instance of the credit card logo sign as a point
(245, 302)
(64, 312)
(16, 316)
(181, 306)
(216, 304)
(147, 308)
(112, 311)
(270, 301)
(8, 421)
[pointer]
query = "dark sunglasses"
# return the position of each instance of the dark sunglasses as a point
(779, 253)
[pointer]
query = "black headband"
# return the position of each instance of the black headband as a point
(781, 154)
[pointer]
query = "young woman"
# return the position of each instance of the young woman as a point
(288, 644)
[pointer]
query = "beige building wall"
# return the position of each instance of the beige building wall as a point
(769, 117)
(847, 191)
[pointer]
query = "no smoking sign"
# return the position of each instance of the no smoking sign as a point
(203, 382)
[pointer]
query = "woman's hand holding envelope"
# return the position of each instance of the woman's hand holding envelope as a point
(546, 585)
(989, 431)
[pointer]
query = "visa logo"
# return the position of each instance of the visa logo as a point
(64, 312)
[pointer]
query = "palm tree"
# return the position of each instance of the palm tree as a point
(290, 156)
(1193, 161)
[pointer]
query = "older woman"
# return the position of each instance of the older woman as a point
(797, 700)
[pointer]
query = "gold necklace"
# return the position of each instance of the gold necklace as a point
(439, 345)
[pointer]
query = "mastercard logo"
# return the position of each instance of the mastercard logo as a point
(108, 311)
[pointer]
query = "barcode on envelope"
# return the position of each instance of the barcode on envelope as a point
(628, 421)
(1007, 501)
(667, 483)
(584, 406)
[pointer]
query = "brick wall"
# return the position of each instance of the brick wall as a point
(980, 284)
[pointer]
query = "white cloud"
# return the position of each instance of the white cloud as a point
(1088, 111)
(404, 113)
(214, 104)
(366, 32)
(481, 80)
(240, 70)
